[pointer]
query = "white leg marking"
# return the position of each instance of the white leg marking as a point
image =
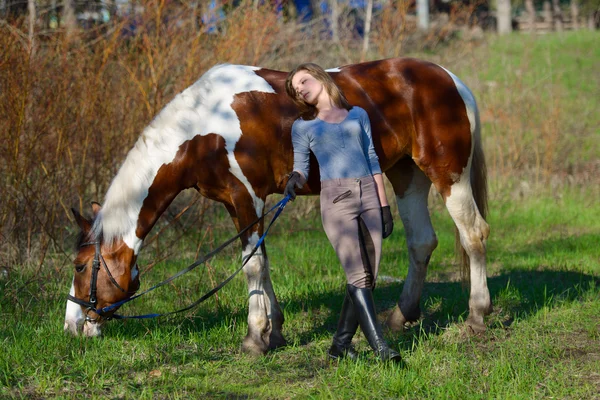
(259, 303)
(473, 232)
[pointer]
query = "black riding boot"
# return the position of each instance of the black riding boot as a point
(364, 306)
(347, 326)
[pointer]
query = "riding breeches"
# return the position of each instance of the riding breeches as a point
(351, 215)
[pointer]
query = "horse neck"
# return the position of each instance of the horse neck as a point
(130, 212)
(154, 206)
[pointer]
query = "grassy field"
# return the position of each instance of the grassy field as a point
(542, 339)
(539, 101)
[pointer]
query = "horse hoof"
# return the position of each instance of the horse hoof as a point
(254, 347)
(476, 325)
(395, 321)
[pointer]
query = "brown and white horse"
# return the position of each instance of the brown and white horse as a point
(228, 136)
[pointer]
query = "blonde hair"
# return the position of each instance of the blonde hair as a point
(309, 111)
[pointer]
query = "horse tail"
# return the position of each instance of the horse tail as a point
(479, 188)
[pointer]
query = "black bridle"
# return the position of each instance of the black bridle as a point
(93, 301)
(107, 313)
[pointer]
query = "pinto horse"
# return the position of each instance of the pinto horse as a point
(228, 136)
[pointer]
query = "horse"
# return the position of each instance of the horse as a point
(229, 137)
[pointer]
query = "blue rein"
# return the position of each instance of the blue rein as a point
(279, 206)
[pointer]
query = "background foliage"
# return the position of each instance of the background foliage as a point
(71, 108)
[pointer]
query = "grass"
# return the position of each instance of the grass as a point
(538, 97)
(542, 339)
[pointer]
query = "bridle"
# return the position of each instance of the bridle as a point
(107, 312)
(93, 301)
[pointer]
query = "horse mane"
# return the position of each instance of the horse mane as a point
(190, 113)
(157, 145)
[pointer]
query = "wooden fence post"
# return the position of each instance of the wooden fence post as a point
(530, 15)
(575, 14)
(547, 14)
(557, 16)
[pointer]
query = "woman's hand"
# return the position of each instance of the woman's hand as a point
(387, 221)
(295, 180)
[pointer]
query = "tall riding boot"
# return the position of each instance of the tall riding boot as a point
(347, 326)
(364, 306)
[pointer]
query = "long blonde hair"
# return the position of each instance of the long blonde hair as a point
(309, 111)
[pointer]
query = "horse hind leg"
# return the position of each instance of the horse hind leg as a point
(473, 232)
(411, 187)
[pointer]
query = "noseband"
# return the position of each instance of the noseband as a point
(91, 304)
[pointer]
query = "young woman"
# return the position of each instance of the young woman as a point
(354, 208)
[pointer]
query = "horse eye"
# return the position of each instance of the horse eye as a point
(79, 267)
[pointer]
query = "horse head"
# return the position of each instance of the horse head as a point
(105, 273)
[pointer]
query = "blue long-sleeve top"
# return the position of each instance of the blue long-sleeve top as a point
(343, 150)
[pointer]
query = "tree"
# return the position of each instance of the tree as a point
(69, 20)
(530, 15)
(575, 14)
(368, 17)
(557, 16)
(32, 18)
(504, 13)
(423, 14)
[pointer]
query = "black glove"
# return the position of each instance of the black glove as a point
(388, 222)
(292, 183)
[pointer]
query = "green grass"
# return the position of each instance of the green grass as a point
(542, 339)
(543, 273)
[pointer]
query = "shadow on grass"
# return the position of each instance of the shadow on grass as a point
(516, 295)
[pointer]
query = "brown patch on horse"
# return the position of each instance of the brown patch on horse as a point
(442, 145)
(201, 163)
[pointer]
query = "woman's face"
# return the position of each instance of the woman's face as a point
(307, 87)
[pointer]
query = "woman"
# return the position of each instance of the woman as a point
(354, 207)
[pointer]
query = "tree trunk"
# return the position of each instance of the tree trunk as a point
(558, 17)
(504, 17)
(32, 18)
(530, 15)
(335, 16)
(591, 22)
(69, 17)
(575, 14)
(423, 14)
(368, 17)
(547, 14)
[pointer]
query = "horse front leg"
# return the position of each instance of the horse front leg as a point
(265, 318)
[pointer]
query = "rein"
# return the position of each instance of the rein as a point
(98, 259)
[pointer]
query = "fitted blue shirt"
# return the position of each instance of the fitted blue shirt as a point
(343, 150)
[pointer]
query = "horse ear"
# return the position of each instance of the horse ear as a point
(96, 207)
(83, 223)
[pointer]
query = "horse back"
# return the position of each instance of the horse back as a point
(414, 106)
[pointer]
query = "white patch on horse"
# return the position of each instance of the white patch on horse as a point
(333, 70)
(201, 109)
(74, 317)
(468, 99)
(252, 241)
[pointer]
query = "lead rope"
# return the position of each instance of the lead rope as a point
(279, 206)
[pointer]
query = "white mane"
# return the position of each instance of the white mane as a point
(204, 107)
